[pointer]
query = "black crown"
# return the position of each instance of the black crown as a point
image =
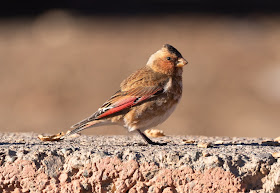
(172, 50)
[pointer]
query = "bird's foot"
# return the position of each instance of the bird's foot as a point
(148, 140)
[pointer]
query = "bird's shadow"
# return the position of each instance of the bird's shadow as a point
(6, 143)
(21, 143)
(273, 144)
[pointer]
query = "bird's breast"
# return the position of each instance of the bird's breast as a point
(152, 113)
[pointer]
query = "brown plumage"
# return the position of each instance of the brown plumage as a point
(146, 98)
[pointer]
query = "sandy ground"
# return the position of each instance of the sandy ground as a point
(58, 68)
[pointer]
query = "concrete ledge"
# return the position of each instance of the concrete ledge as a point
(125, 164)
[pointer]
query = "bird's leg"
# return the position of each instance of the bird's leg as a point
(148, 140)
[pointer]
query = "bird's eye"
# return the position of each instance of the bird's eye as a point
(168, 58)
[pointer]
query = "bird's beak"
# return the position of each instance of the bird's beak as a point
(181, 62)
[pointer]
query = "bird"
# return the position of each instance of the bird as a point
(145, 99)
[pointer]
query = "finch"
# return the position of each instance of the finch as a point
(145, 99)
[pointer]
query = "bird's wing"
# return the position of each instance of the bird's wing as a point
(122, 100)
(139, 87)
(126, 99)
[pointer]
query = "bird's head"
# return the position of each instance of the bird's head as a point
(168, 60)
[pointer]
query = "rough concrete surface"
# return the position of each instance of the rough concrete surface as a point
(126, 164)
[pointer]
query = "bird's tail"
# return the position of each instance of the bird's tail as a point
(83, 125)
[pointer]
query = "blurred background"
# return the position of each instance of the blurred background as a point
(61, 60)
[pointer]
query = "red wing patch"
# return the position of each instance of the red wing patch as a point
(124, 100)
(118, 106)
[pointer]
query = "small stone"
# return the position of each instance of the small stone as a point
(219, 142)
(63, 150)
(276, 154)
(154, 133)
(205, 154)
(11, 159)
(85, 186)
(188, 141)
(11, 156)
(153, 189)
(11, 152)
(204, 145)
(212, 161)
(277, 139)
(63, 177)
(53, 181)
(86, 174)
(264, 170)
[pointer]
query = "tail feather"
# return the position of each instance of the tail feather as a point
(81, 127)
(85, 121)
(81, 123)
